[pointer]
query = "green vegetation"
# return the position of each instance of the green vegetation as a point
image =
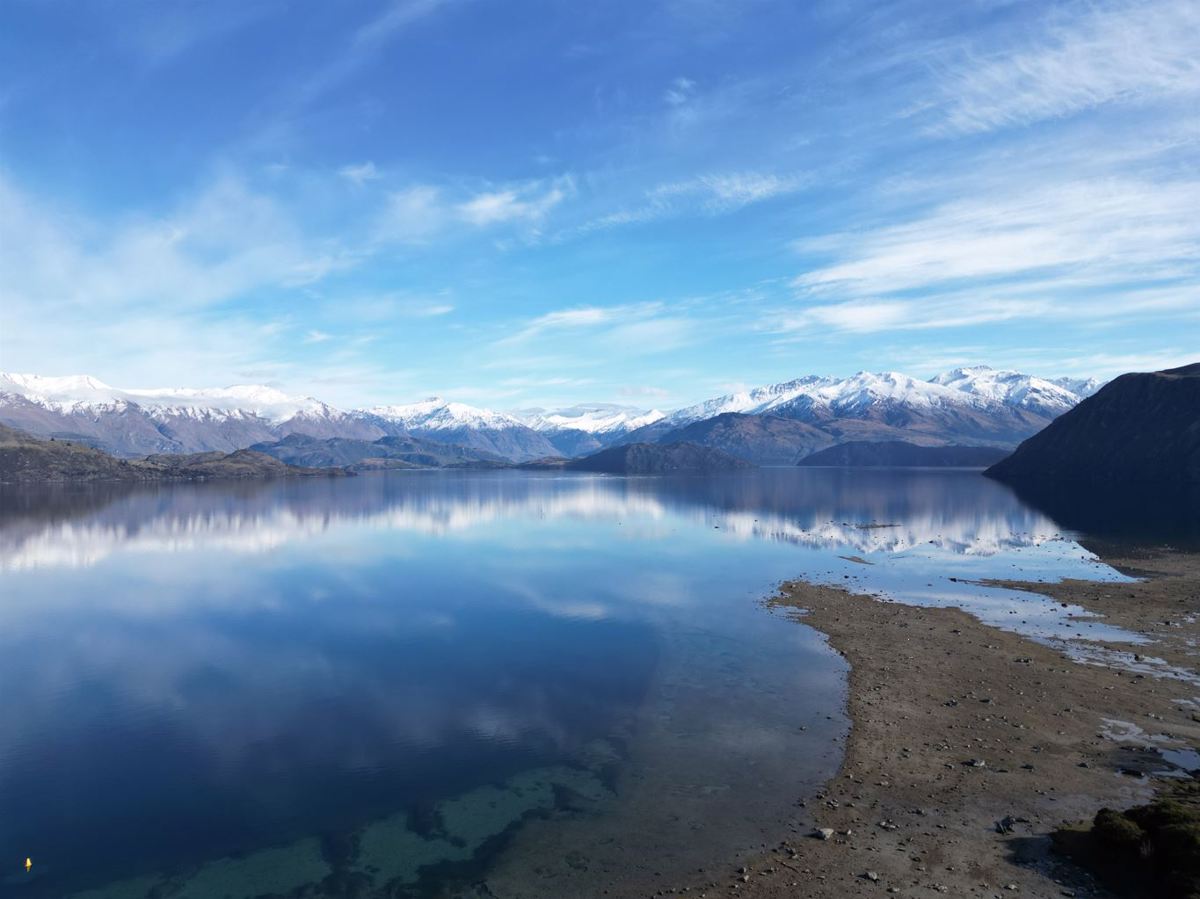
(1150, 850)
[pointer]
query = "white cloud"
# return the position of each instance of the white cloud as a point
(1102, 233)
(680, 91)
(225, 241)
(652, 335)
(398, 16)
(582, 318)
(411, 216)
(710, 194)
(364, 45)
(421, 212)
(529, 202)
(315, 336)
(382, 307)
(1108, 365)
(148, 294)
(864, 317)
(359, 174)
(605, 332)
(733, 190)
(1086, 56)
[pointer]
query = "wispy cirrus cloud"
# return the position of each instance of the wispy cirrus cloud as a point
(732, 190)
(973, 307)
(529, 202)
(680, 91)
(360, 173)
(1104, 233)
(608, 332)
(706, 194)
(154, 291)
(411, 215)
(578, 318)
(872, 316)
(374, 308)
(225, 240)
(418, 213)
(1087, 55)
(365, 43)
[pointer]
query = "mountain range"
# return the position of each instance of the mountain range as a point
(775, 424)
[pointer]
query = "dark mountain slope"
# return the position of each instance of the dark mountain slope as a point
(657, 458)
(761, 439)
(574, 442)
(28, 459)
(770, 439)
(387, 452)
(1139, 428)
(899, 454)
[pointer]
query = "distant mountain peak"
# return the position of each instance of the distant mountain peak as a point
(437, 414)
(592, 418)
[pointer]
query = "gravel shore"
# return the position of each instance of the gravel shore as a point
(970, 745)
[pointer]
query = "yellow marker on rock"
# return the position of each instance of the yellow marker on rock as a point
(28, 863)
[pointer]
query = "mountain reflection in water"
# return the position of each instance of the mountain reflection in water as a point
(958, 510)
(208, 686)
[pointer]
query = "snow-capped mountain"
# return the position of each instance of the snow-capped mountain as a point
(593, 418)
(480, 429)
(967, 406)
(975, 405)
(435, 414)
(83, 392)
(134, 422)
(1013, 388)
(814, 398)
(865, 394)
(1081, 387)
(586, 428)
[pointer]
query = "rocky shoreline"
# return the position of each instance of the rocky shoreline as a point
(970, 746)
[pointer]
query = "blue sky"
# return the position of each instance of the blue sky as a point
(536, 203)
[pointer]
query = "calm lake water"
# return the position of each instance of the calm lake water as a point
(414, 683)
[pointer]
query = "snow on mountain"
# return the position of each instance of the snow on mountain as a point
(594, 418)
(1013, 388)
(58, 392)
(136, 422)
(1081, 387)
(79, 393)
(435, 414)
(816, 397)
(849, 397)
(480, 429)
(972, 404)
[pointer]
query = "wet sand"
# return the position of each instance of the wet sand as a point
(970, 745)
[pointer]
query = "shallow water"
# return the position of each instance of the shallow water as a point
(425, 680)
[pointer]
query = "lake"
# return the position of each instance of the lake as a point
(454, 683)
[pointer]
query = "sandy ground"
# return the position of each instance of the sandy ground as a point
(970, 745)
